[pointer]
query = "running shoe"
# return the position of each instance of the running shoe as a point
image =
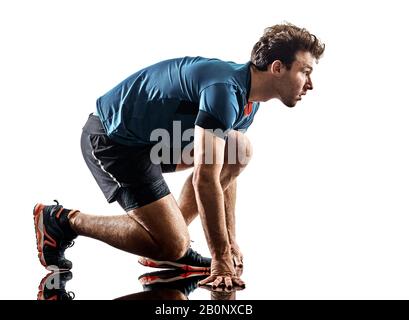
(54, 234)
(191, 261)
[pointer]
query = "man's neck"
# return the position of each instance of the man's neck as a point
(261, 86)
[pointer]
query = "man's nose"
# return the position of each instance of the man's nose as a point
(309, 85)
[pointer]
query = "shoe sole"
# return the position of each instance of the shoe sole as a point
(38, 213)
(151, 279)
(170, 264)
(39, 231)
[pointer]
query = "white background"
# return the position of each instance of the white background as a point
(323, 207)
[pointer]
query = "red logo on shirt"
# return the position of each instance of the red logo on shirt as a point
(248, 108)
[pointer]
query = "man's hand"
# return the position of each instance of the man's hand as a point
(221, 294)
(223, 275)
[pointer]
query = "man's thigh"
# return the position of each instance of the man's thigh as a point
(125, 174)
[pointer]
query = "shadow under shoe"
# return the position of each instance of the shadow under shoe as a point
(52, 286)
(185, 282)
(53, 234)
(191, 261)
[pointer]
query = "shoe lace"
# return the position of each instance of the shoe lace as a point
(195, 255)
(70, 295)
(67, 244)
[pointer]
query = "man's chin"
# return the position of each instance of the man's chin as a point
(290, 104)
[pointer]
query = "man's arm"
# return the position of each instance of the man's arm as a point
(208, 163)
(230, 208)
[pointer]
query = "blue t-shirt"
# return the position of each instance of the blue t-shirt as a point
(188, 91)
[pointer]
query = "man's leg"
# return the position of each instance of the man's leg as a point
(156, 230)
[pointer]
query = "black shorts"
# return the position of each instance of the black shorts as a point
(125, 174)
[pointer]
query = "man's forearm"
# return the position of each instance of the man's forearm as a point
(230, 208)
(210, 201)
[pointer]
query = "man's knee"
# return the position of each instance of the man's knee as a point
(162, 228)
(174, 247)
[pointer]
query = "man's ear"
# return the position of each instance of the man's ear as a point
(277, 67)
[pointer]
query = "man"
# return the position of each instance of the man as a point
(218, 100)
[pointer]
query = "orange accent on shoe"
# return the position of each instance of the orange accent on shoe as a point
(50, 241)
(58, 213)
(42, 283)
(38, 209)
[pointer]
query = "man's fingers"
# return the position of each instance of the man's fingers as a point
(222, 281)
(207, 280)
(238, 282)
(217, 282)
(228, 283)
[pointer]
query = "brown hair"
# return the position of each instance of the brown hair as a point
(282, 42)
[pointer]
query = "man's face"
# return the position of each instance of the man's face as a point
(297, 80)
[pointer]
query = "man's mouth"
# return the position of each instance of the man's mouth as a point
(300, 96)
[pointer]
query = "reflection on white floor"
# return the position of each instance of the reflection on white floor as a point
(156, 285)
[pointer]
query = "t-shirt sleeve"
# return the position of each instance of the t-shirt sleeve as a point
(218, 108)
(244, 126)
